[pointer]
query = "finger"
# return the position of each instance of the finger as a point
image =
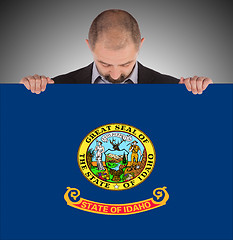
(181, 80)
(38, 83)
(206, 83)
(32, 82)
(193, 82)
(50, 81)
(188, 84)
(199, 85)
(25, 82)
(44, 82)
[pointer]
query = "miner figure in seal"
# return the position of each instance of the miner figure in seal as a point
(134, 148)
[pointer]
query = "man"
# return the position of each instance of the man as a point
(115, 40)
(134, 148)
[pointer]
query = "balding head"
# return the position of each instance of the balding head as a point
(115, 29)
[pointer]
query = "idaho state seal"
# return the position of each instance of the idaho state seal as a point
(116, 157)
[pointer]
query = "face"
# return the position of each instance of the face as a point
(115, 65)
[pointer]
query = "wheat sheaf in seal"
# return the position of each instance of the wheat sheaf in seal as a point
(116, 157)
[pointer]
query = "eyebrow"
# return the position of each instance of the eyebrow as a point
(111, 64)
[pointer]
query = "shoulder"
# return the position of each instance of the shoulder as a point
(82, 75)
(150, 76)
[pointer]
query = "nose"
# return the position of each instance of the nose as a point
(115, 73)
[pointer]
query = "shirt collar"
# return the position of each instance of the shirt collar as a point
(133, 76)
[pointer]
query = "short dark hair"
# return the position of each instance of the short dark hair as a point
(114, 18)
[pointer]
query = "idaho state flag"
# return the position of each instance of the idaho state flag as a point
(116, 162)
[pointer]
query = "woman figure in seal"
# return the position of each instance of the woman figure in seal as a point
(99, 151)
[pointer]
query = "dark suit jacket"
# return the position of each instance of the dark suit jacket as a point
(145, 76)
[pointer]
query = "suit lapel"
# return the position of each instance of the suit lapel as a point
(143, 77)
(85, 77)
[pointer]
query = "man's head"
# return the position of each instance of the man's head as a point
(115, 40)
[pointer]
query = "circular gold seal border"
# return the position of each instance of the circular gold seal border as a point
(118, 127)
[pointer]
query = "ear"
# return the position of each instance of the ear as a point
(142, 40)
(87, 42)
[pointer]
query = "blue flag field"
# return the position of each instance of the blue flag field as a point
(116, 162)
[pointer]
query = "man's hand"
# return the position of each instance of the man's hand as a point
(196, 84)
(36, 83)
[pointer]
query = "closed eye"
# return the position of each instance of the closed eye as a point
(105, 65)
(125, 65)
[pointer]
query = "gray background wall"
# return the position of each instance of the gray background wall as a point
(182, 38)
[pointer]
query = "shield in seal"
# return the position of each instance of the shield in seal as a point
(116, 162)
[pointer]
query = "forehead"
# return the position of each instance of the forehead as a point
(115, 56)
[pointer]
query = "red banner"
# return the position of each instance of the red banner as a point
(72, 194)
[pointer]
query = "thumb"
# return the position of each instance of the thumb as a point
(181, 80)
(50, 81)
